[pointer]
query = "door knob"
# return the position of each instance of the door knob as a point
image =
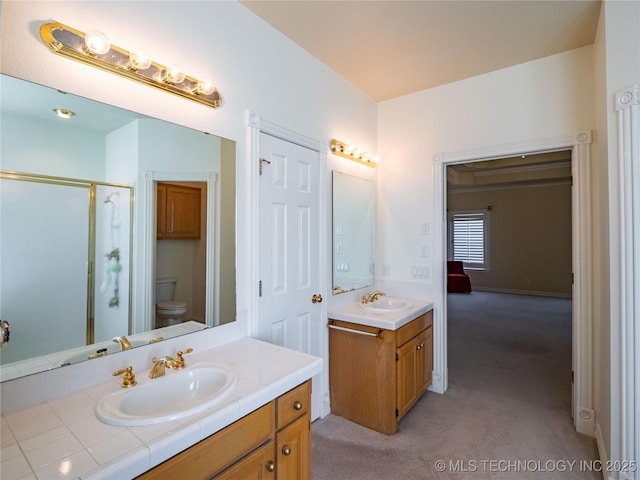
(316, 298)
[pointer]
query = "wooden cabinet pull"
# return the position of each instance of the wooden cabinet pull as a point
(286, 451)
(297, 405)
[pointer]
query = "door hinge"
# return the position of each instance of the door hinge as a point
(397, 356)
(571, 278)
(397, 413)
(572, 376)
(260, 288)
(261, 161)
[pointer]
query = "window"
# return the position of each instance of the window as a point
(468, 233)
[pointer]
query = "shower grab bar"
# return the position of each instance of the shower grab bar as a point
(351, 330)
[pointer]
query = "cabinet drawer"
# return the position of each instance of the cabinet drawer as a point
(411, 329)
(220, 450)
(294, 403)
(259, 465)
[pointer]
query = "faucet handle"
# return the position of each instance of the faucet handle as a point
(180, 360)
(129, 379)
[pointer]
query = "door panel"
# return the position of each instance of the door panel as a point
(289, 245)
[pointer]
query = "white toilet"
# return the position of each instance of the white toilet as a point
(168, 310)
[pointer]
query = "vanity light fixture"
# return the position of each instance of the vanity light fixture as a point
(94, 48)
(352, 153)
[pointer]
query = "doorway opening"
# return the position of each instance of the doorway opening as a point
(181, 252)
(510, 224)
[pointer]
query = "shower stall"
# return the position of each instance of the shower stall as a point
(65, 263)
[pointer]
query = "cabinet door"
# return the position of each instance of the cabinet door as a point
(293, 445)
(406, 372)
(161, 211)
(260, 465)
(183, 212)
(424, 360)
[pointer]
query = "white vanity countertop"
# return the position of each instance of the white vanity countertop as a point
(353, 312)
(64, 439)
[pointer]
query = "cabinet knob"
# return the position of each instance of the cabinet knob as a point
(286, 451)
(271, 466)
(418, 347)
(297, 405)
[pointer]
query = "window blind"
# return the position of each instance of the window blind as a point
(468, 232)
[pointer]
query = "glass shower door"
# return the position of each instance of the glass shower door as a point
(44, 253)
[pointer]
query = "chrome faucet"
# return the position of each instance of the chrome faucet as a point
(372, 296)
(159, 365)
(124, 343)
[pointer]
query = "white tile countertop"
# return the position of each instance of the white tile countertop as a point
(64, 439)
(354, 312)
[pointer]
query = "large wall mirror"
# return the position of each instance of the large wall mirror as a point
(83, 252)
(353, 233)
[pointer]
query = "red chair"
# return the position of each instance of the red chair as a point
(457, 280)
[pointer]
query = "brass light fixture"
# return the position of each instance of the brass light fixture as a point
(94, 48)
(352, 153)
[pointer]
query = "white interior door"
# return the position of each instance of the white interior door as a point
(289, 303)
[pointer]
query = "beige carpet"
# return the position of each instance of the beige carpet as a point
(506, 413)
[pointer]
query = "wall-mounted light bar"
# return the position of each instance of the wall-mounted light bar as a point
(352, 153)
(93, 48)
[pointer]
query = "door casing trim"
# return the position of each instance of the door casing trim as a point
(582, 317)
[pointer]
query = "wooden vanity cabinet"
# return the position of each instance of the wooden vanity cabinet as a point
(178, 212)
(377, 375)
(273, 442)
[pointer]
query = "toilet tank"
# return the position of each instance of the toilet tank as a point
(165, 288)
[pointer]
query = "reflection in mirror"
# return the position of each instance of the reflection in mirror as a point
(100, 152)
(65, 258)
(353, 233)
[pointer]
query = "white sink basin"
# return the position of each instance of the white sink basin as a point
(175, 395)
(387, 304)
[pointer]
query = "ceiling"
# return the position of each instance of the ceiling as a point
(19, 97)
(520, 171)
(390, 48)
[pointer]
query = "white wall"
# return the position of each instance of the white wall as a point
(540, 99)
(33, 146)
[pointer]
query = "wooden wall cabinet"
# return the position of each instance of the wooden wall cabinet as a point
(377, 375)
(178, 212)
(273, 442)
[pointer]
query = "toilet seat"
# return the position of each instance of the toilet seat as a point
(171, 305)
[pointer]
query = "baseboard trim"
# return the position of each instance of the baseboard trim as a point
(534, 293)
(602, 451)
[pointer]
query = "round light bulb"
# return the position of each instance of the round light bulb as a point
(96, 42)
(173, 75)
(139, 60)
(204, 87)
(63, 112)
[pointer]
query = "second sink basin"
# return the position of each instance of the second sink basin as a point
(173, 396)
(387, 304)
